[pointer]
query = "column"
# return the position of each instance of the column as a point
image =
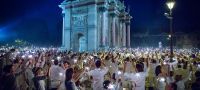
(105, 23)
(101, 28)
(105, 29)
(109, 38)
(124, 34)
(117, 32)
(71, 42)
(128, 35)
(110, 31)
(120, 34)
(63, 31)
(113, 30)
(101, 11)
(98, 28)
(112, 8)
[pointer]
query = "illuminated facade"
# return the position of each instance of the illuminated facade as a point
(90, 25)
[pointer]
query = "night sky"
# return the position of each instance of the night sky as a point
(40, 21)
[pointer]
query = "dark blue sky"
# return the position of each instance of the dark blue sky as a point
(40, 21)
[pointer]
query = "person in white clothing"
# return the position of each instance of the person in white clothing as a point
(138, 78)
(128, 67)
(39, 79)
(180, 82)
(98, 76)
(55, 77)
(161, 81)
(170, 80)
(66, 65)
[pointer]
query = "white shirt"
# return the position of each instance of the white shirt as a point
(138, 79)
(181, 84)
(62, 74)
(113, 67)
(153, 67)
(42, 84)
(63, 87)
(128, 67)
(98, 77)
(161, 83)
(55, 76)
(170, 80)
(174, 64)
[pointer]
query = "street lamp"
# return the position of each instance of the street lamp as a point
(170, 4)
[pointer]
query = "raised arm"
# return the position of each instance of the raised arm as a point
(39, 59)
(43, 61)
(186, 79)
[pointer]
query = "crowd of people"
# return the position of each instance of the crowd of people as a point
(115, 69)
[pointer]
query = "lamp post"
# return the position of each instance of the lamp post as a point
(170, 4)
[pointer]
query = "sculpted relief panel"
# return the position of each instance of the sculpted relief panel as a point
(79, 17)
(79, 21)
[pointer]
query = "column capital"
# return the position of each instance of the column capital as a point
(111, 8)
(102, 9)
(63, 15)
(112, 14)
(122, 15)
(123, 19)
(128, 22)
(128, 17)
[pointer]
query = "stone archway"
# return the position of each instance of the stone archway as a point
(82, 42)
